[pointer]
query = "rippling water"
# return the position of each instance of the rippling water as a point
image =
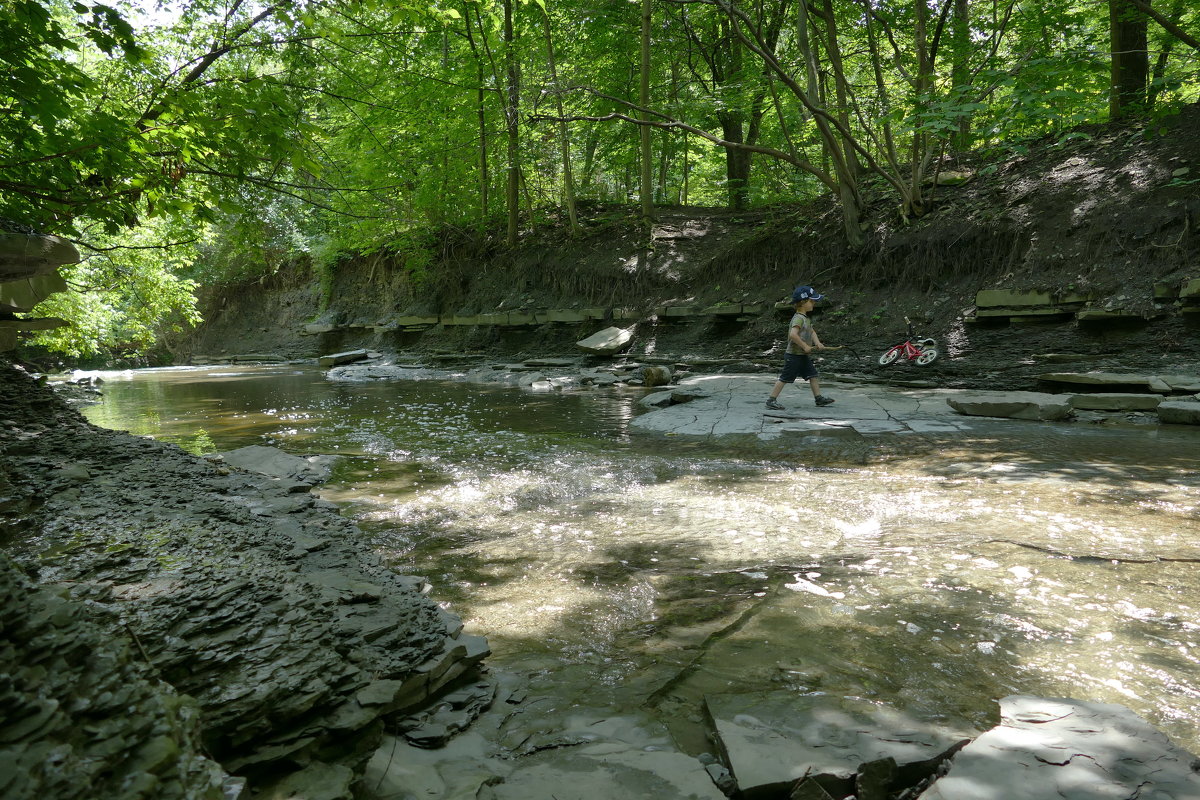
(938, 574)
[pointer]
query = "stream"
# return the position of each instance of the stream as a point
(616, 570)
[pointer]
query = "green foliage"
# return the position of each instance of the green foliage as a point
(125, 301)
(320, 130)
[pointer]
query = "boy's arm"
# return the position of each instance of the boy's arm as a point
(817, 343)
(794, 335)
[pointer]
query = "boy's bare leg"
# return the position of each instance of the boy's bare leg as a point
(815, 385)
(778, 388)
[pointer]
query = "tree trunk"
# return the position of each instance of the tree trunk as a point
(914, 203)
(481, 112)
(960, 70)
(846, 162)
(563, 133)
(512, 96)
(1130, 59)
(737, 162)
(646, 183)
(1164, 54)
(590, 143)
(804, 44)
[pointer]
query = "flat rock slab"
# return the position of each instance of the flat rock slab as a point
(1179, 412)
(730, 405)
(771, 740)
(1115, 401)
(1163, 384)
(1068, 749)
(275, 463)
(1012, 405)
(385, 372)
(609, 770)
(347, 357)
(550, 362)
(579, 754)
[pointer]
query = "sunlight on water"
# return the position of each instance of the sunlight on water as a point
(940, 575)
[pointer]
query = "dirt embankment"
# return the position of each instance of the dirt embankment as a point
(1107, 212)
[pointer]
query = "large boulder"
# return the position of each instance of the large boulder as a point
(20, 296)
(1053, 749)
(1013, 405)
(28, 275)
(606, 342)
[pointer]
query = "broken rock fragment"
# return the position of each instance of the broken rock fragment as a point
(775, 742)
(1049, 749)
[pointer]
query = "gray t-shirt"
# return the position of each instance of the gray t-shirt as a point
(806, 333)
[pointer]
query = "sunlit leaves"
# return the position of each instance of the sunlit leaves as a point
(125, 300)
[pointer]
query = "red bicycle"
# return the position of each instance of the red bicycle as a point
(923, 351)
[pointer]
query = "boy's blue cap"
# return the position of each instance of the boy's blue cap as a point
(806, 293)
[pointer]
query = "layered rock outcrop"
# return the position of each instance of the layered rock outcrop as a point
(82, 715)
(29, 274)
(240, 590)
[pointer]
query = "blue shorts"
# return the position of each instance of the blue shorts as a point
(797, 365)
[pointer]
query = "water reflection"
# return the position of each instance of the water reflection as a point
(938, 573)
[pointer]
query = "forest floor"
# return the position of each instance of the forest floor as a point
(1109, 211)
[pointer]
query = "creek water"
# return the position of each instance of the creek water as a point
(617, 570)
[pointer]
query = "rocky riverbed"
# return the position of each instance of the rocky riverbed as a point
(204, 627)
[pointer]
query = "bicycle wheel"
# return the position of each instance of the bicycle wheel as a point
(889, 356)
(928, 356)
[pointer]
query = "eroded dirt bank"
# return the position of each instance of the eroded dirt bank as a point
(1106, 214)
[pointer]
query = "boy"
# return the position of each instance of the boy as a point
(802, 340)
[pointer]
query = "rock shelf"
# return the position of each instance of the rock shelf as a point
(240, 590)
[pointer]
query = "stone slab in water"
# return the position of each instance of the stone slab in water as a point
(772, 740)
(1163, 384)
(1012, 405)
(342, 358)
(1179, 412)
(275, 463)
(1115, 401)
(609, 770)
(1050, 749)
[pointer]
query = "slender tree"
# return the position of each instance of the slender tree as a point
(645, 183)
(563, 132)
(1130, 59)
(511, 119)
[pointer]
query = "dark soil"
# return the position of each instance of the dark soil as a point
(1109, 210)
